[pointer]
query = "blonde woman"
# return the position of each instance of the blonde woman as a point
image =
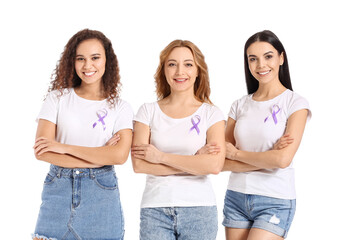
(178, 201)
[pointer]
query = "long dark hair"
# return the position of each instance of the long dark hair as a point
(65, 75)
(284, 75)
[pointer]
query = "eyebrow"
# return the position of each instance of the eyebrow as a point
(95, 54)
(263, 54)
(184, 61)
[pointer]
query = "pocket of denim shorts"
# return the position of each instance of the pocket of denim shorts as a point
(106, 180)
(49, 179)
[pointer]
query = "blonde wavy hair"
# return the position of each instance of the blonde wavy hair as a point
(202, 84)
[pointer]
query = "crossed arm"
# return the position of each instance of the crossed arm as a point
(148, 159)
(279, 157)
(71, 156)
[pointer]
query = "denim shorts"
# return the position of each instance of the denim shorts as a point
(254, 211)
(181, 223)
(80, 204)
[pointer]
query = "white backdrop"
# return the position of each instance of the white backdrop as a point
(34, 33)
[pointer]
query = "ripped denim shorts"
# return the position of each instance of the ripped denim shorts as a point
(254, 211)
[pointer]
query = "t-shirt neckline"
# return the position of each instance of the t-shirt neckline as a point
(176, 119)
(272, 99)
(84, 99)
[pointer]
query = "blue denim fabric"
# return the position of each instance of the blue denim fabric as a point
(80, 204)
(253, 211)
(181, 223)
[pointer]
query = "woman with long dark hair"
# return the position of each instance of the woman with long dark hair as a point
(263, 133)
(84, 128)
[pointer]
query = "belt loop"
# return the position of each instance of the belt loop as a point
(59, 172)
(92, 175)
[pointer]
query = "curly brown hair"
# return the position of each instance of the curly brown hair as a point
(65, 76)
(202, 84)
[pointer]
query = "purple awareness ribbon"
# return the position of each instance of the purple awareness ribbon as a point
(101, 118)
(195, 124)
(274, 112)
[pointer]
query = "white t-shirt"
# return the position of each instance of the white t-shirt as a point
(184, 137)
(258, 127)
(83, 122)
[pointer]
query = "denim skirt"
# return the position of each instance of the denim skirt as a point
(80, 204)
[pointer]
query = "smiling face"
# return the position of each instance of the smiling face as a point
(264, 62)
(90, 61)
(181, 70)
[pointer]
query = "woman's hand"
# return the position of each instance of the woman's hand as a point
(43, 145)
(210, 148)
(113, 140)
(147, 152)
(231, 151)
(283, 142)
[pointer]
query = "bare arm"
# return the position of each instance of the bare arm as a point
(106, 155)
(202, 164)
(66, 161)
(232, 165)
(275, 158)
(47, 129)
(142, 136)
(236, 166)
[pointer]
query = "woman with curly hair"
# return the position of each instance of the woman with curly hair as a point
(178, 201)
(79, 126)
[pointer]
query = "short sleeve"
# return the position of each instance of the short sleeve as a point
(143, 114)
(233, 110)
(299, 103)
(125, 117)
(215, 115)
(49, 110)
